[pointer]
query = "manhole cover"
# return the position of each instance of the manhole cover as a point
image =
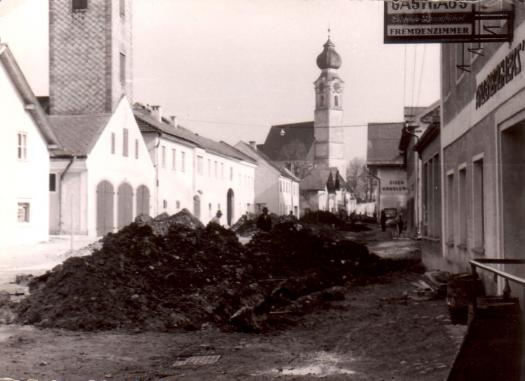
(197, 360)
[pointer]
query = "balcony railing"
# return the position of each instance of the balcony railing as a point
(484, 264)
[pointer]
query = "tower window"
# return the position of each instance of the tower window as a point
(122, 7)
(321, 100)
(79, 5)
(336, 101)
(122, 69)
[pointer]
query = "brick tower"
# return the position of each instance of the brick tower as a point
(90, 52)
(328, 130)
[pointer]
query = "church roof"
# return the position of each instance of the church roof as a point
(383, 144)
(289, 142)
(329, 58)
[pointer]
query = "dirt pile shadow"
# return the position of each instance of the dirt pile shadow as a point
(190, 276)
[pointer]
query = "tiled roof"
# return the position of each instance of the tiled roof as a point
(383, 144)
(33, 107)
(289, 142)
(259, 155)
(78, 133)
(148, 123)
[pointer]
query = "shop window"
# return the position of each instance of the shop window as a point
(462, 207)
(52, 182)
(478, 205)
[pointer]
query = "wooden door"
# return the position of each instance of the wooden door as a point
(105, 218)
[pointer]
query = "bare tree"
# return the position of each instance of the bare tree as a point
(357, 178)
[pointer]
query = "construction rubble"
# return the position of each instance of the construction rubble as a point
(172, 273)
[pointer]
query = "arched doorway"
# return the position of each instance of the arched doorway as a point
(125, 205)
(197, 206)
(229, 207)
(105, 218)
(143, 200)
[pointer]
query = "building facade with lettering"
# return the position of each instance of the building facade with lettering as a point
(482, 149)
(386, 164)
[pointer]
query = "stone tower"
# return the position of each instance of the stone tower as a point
(328, 130)
(90, 53)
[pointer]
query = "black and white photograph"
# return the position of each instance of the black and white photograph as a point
(262, 190)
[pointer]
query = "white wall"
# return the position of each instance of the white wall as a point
(115, 168)
(23, 180)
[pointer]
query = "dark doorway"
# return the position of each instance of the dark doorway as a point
(143, 200)
(229, 207)
(197, 206)
(125, 205)
(105, 218)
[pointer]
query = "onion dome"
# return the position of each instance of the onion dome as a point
(329, 58)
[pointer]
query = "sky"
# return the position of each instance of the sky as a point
(229, 69)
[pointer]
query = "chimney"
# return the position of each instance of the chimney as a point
(253, 144)
(173, 119)
(156, 112)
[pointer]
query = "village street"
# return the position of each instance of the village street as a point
(383, 330)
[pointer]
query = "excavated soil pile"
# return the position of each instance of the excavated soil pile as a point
(189, 277)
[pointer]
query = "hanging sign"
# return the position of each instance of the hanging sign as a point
(415, 21)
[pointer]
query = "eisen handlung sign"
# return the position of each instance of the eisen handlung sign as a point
(506, 70)
(440, 21)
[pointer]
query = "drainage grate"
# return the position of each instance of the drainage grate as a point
(197, 360)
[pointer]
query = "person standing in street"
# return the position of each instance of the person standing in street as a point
(264, 222)
(217, 218)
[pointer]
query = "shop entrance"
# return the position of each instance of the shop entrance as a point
(513, 194)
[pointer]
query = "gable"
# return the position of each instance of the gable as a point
(383, 144)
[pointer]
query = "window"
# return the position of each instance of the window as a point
(136, 148)
(177, 204)
(479, 205)
(122, 7)
(122, 69)
(125, 142)
(164, 204)
(336, 101)
(209, 168)
(79, 5)
(52, 182)
(210, 210)
(450, 208)
(23, 212)
(173, 159)
(231, 173)
(216, 169)
(200, 165)
(462, 206)
(113, 143)
(183, 161)
(222, 171)
(163, 156)
(321, 100)
(22, 146)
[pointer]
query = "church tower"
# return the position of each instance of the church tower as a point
(328, 130)
(90, 53)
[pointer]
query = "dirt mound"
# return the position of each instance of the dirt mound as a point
(162, 223)
(188, 277)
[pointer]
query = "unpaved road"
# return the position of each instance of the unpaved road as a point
(376, 333)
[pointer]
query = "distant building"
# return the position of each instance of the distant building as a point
(276, 187)
(418, 120)
(314, 151)
(26, 141)
(387, 166)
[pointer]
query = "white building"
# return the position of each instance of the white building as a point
(194, 172)
(275, 187)
(25, 142)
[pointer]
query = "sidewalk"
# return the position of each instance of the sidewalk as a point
(36, 259)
